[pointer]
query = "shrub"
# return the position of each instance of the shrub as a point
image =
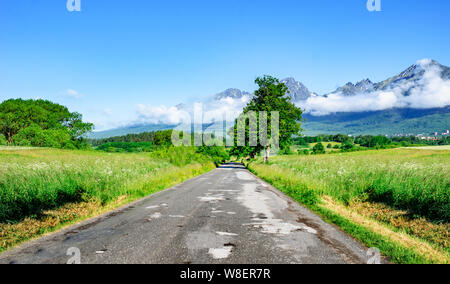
(319, 149)
(2, 140)
(347, 146)
(218, 154)
(286, 150)
(179, 156)
(36, 136)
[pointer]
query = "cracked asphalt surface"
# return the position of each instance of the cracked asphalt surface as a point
(227, 216)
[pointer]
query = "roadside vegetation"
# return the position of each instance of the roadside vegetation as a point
(389, 193)
(326, 144)
(44, 189)
(397, 200)
(373, 187)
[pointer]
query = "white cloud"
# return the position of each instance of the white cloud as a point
(107, 112)
(73, 94)
(161, 114)
(210, 111)
(431, 91)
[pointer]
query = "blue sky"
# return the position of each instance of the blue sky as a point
(116, 54)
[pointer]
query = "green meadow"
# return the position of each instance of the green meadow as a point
(406, 191)
(44, 189)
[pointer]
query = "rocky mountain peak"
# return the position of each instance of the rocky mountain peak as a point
(231, 93)
(297, 91)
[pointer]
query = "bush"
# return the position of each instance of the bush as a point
(329, 146)
(303, 152)
(218, 154)
(37, 137)
(179, 156)
(319, 149)
(2, 140)
(347, 146)
(286, 150)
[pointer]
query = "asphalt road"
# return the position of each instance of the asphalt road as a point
(227, 216)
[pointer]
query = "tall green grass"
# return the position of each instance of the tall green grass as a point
(35, 180)
(413, 180)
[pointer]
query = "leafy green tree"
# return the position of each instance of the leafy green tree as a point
(271, 96)
(36, 136)
(347, 146)
(373, 141)
(163, 138)
(318, 149)
(41, 123)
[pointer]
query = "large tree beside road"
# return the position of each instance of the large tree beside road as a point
(271, 98)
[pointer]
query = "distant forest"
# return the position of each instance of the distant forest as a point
(160, 138)
(371, 141)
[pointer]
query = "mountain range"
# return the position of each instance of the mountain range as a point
(398, 119)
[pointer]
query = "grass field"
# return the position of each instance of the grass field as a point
(397, 200)
(42, 190)
(441, 148)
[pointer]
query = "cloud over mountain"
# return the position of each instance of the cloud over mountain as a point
(422, 86)
(219, 109)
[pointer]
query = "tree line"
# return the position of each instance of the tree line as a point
(369, 141)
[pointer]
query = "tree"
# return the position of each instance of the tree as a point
(319, 149)
(163, 138)
(269, 97)
(41, 122)
(347, 146)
